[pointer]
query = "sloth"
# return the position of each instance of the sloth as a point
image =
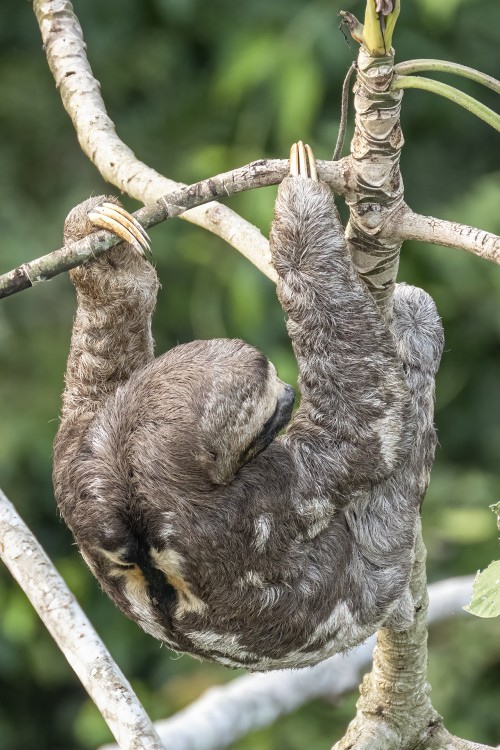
(218, 536)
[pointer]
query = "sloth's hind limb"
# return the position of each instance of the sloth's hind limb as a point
(379, 520)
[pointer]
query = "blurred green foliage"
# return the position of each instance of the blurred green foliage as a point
(196, 88)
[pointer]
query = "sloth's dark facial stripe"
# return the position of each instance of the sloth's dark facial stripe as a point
(279, 418)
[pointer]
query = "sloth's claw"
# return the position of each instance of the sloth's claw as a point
(313, 172)
(115, 219)
(302, 162)
(294, 161)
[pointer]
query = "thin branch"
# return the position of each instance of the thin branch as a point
(407, 67)
(80, 93)
(449, 92)
(74, 634)
(411, 226)
(257, 174)
(224, 714)
(344, 112)
(403, 224)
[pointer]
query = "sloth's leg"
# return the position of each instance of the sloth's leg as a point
(356, 421)
(116, 294)
(419, 337)
(383, 521)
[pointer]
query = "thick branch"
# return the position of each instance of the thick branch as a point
(80, 92)
(440, 739)
(374, 176)
(74, 634)
(394, 709)
(224, 714)
(221, 715)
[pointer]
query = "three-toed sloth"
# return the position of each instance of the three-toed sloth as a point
(216, 536)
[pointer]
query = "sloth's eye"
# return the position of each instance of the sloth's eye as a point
(125, 566)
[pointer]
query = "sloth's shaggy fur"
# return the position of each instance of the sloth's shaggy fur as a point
(212, 534)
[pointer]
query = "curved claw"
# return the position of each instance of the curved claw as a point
(115, 219)
(302, 162)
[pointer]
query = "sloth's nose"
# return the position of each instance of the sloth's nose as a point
(289, 395)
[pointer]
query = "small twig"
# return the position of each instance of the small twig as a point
(448, 92)
(408, 67)
(74, 634)
(344, 111)
(80, 93)
(402, 224)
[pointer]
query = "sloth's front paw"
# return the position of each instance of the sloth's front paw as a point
(302, 162)
(115, 219)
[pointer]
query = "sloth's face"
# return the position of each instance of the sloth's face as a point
(284, 399)
(243, 407)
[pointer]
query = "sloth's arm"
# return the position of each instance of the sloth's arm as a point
(356, 419)
(116, 295)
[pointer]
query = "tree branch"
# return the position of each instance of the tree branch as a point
(80, 93)
(394, 711)
(394, 708)
(224, 714)
(73, 633)
(411, 226)
(257, 174)
(440, 739)
(221, 715)
(401, 225)
(376, 188)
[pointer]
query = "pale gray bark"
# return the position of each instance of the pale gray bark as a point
(374, 232)
(73, 633)
(80, 93)
(376, 186)
(408, 225)
(394, 711)
(257, 174)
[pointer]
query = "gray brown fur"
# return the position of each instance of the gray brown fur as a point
(272, 560)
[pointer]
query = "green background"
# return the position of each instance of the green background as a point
(197, 88)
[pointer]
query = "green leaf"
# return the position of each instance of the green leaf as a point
(485, 600)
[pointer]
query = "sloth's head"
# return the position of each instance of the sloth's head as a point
(197, 414)
(242, 406)
(235, 400)
(185, 422)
